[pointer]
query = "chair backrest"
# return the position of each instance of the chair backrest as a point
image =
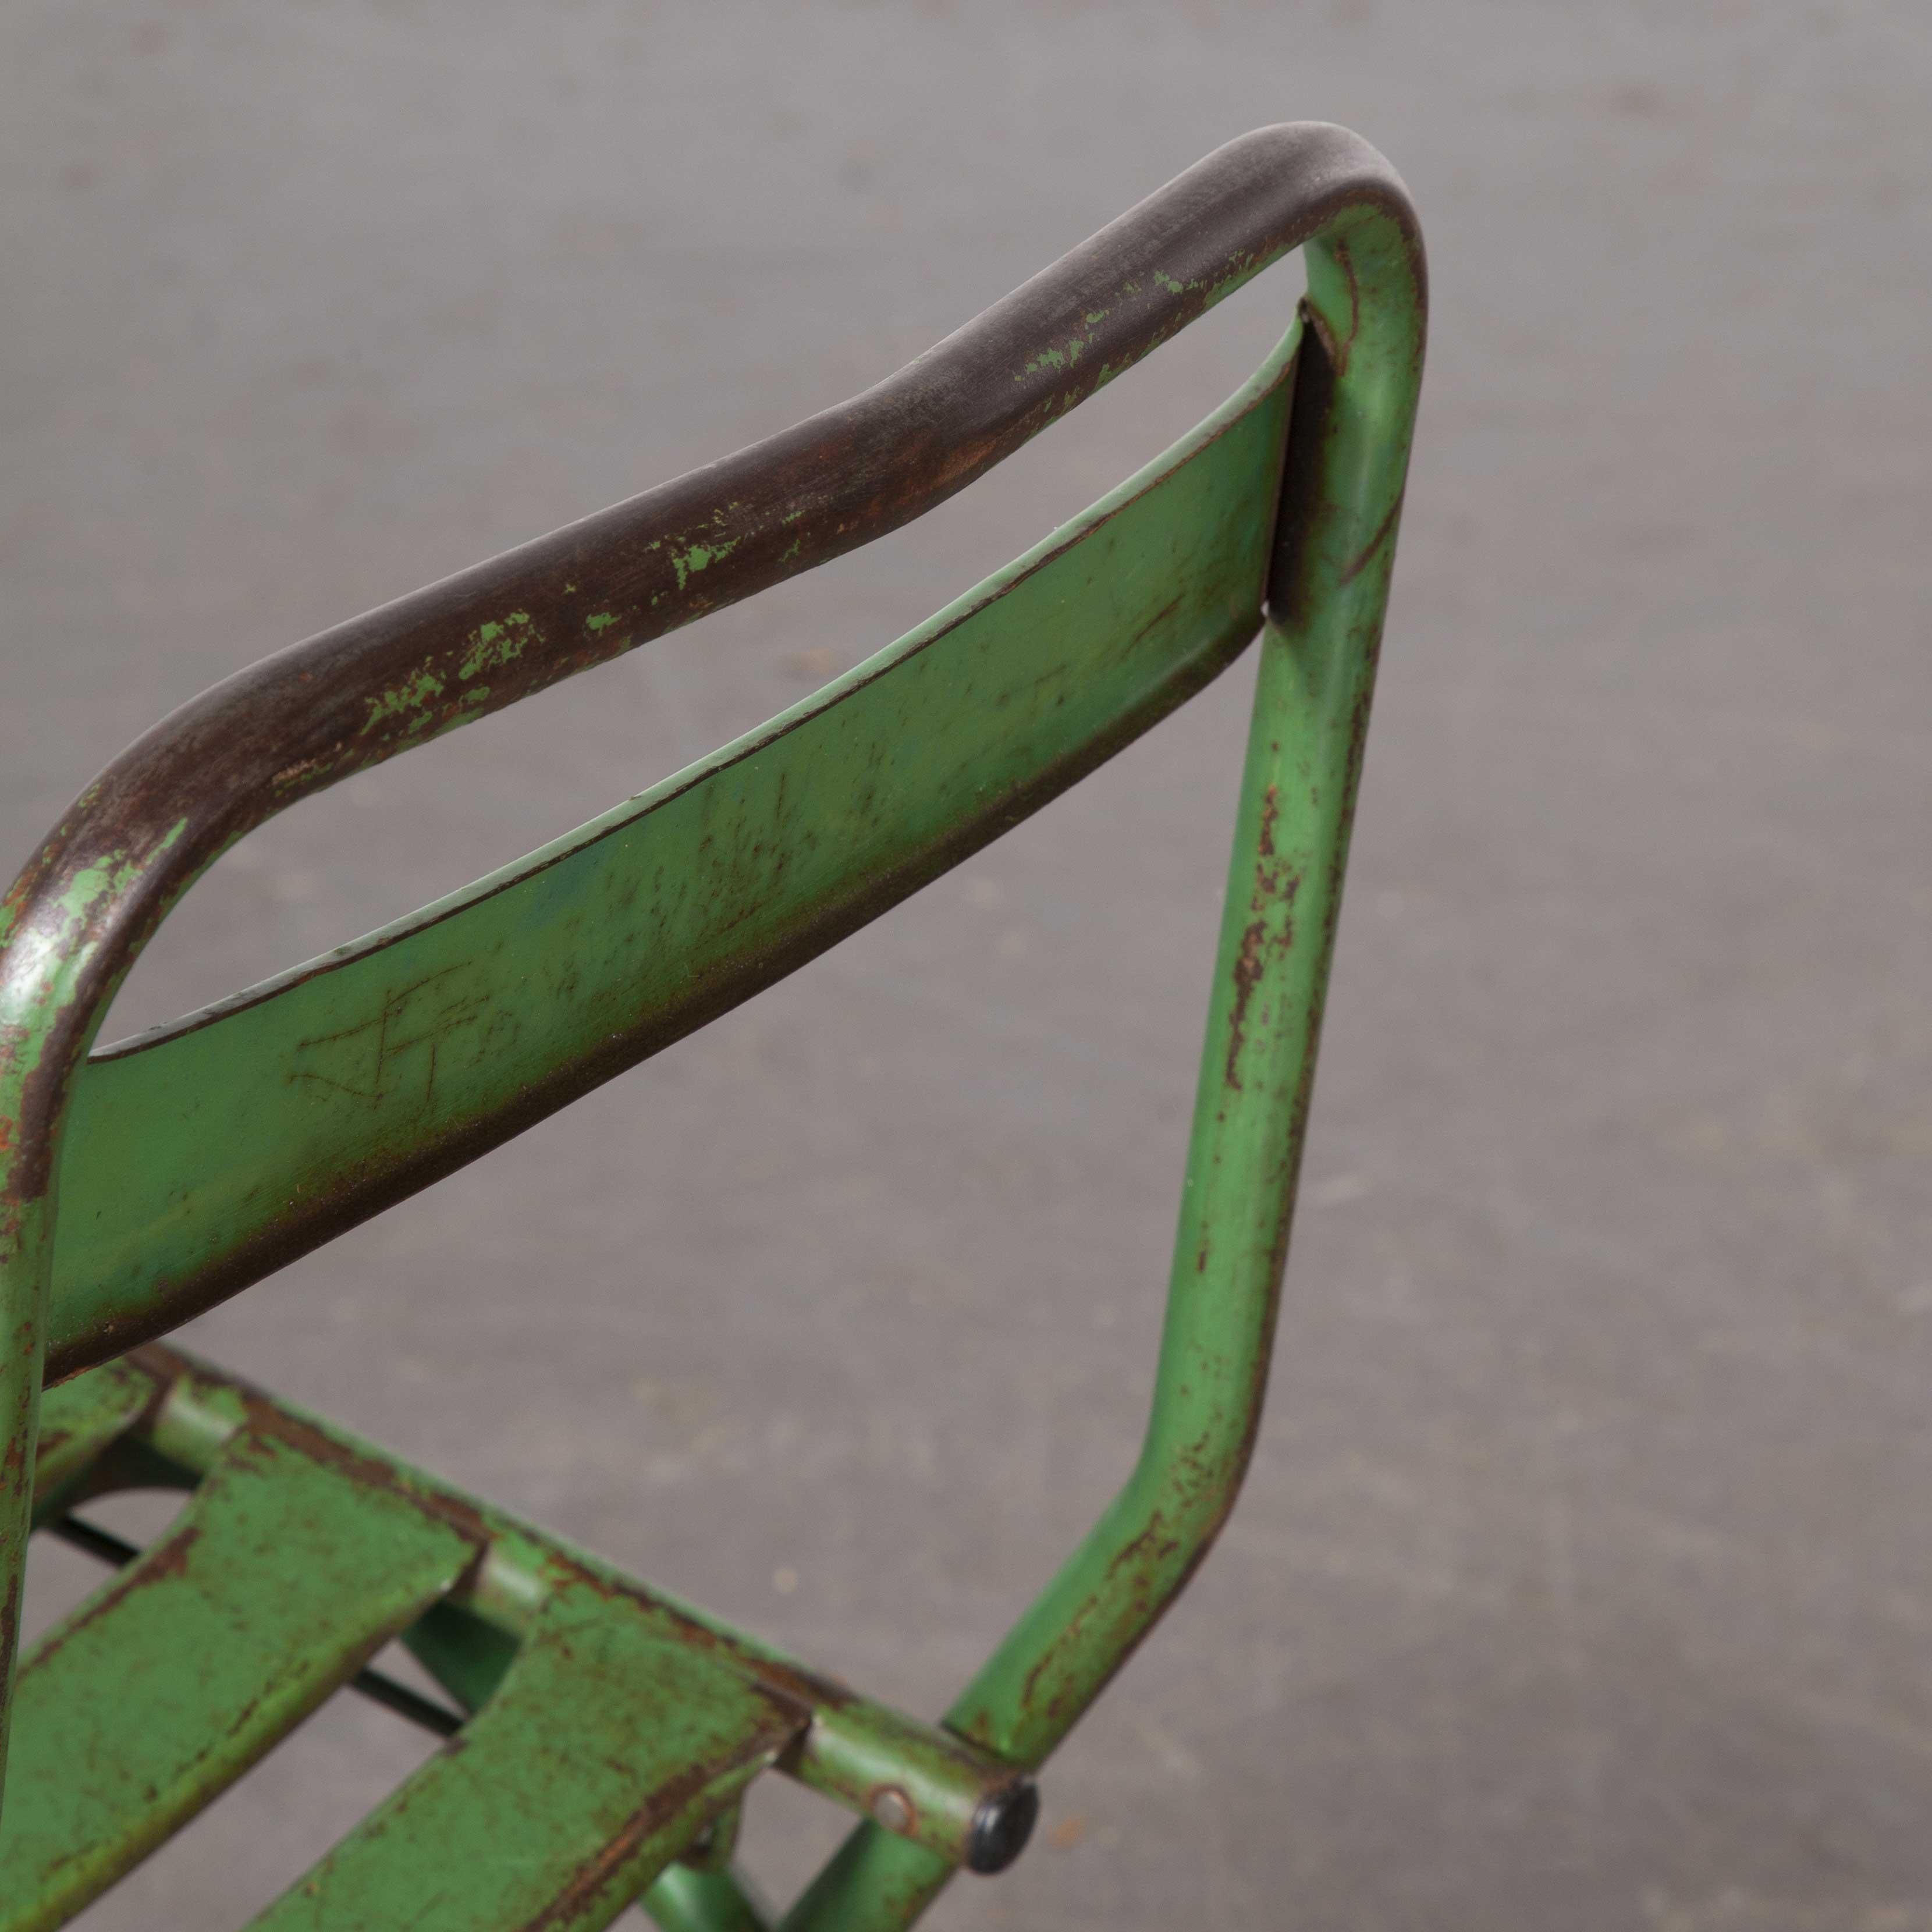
(141, 1183)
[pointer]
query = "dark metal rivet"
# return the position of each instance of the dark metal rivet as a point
(1002, 1825)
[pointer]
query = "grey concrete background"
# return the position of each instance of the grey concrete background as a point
(1583, 1578)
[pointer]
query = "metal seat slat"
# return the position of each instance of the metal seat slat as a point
(606, 1749)
(79, 1422)
(280, 1578)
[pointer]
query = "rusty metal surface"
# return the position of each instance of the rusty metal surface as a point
(1345, 471)
(278, 1580)
(1579, 1577)
(83, 908)
(202, 1156)
(603, 1753)
(503, 1589)
(92, 897)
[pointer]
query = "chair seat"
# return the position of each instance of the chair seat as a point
(604, 1728)
(606, 1751)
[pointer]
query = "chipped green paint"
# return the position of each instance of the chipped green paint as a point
(97, 881)
(415, 695)
(89, 883)
(86, 889)
(1059, 359)
(493, 645)
(700, 556)
(600, 620)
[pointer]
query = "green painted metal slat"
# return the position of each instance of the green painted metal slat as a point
(278, 1580)
(604, 1752)
(199, 1160)
(683, 1900)
(79, 1421)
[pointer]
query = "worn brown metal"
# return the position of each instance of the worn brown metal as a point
(492, 1590)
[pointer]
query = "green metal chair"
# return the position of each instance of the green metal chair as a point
(600, 1734)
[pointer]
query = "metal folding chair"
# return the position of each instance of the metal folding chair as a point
(600, 1734)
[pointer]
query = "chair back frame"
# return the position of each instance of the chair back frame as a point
(1303, 554)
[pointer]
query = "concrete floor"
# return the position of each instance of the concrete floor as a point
(1583, 1578)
